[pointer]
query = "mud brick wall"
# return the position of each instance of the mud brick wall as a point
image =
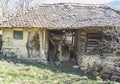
(33, 44)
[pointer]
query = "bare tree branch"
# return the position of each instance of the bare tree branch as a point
(4, 7)
(24, 5)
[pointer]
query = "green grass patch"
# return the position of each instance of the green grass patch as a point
(13, 71)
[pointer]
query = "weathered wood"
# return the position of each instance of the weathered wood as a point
(57, 37)
(59, 49)
(93, 42)
(52, 42)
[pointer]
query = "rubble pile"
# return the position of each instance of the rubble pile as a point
(106, 68)
(109, 69)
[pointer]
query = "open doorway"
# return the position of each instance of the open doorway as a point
(61, 46)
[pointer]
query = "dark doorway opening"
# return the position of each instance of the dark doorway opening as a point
(61, 46)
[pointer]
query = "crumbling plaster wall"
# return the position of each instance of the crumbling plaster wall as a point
(9, 44)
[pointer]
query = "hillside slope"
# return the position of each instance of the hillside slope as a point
(114, 4)
(13, 71)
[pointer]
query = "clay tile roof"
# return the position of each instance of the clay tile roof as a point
(65, 15)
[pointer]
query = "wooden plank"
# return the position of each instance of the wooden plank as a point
(94, 33)
(93, 40)
(83, 33)
(95, 37)
(57, 37)
(92, 43)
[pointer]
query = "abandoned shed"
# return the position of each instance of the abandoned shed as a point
(62, 31)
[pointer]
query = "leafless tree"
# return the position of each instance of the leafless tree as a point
(28, 3)
(23, 5)
(4, 6)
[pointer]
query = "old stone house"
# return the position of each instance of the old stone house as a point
(58, 29)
